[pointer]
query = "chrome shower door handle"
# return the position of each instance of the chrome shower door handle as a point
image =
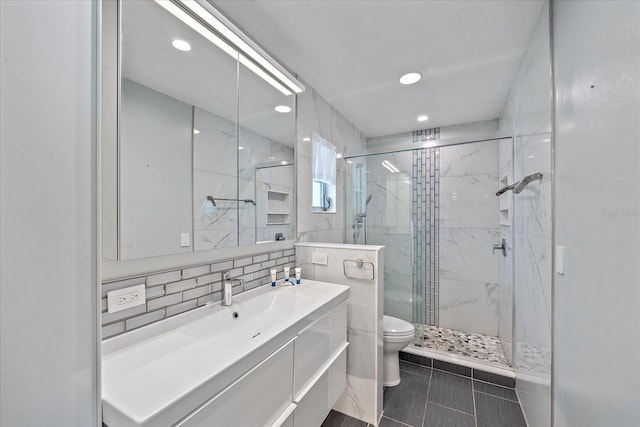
(502, 247)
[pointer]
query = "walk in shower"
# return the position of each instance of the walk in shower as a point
(435, 210)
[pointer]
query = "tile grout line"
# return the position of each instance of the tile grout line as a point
(396, 421)
(475, 410)
(498, 397)
(452, 409)
(426, 403)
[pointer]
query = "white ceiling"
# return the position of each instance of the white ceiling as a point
(353, 52)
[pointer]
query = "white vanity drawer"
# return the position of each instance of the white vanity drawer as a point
(258, 398)
(317, 344)
(317, 399)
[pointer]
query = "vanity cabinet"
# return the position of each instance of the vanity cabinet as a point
(296, 386)
(276, 357)
(257, 398)
(320, 368)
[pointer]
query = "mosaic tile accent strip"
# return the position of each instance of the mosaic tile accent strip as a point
(421, 264)
(476, 346)
(426, 234)
(173, 292)
(425, 135)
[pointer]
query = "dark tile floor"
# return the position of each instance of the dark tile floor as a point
(429, 397)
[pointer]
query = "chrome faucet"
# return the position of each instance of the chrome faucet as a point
(227, 287)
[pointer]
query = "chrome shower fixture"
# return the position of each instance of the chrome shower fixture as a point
(212, 200)
(517, 187)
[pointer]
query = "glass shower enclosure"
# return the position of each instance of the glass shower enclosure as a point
(436, 212)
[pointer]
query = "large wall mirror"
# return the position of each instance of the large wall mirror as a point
(204, 147)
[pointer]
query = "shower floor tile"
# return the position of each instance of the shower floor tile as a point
(477, 346)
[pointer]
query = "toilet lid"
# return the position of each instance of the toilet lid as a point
(394, 326)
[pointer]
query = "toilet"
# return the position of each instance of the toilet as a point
(397, 335)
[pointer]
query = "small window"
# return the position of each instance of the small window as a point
(321, 201)
(324, 176)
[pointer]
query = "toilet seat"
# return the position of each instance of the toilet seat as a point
(394, 327)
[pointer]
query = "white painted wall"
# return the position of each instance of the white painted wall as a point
(48, 217)
(597, 154)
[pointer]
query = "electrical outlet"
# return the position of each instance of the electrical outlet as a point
(121, 299)
(319, 258)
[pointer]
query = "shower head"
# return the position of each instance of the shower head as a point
(368, 200)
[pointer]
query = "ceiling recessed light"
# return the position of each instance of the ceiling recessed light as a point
(282, 108)
(283, 162)
(181, 45)
(423, 118)
(241, 148)
(410, 78)
(306, 139)
(196, 131)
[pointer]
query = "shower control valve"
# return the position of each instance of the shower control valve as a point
(501, 247)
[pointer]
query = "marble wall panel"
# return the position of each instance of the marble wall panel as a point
(469, 306)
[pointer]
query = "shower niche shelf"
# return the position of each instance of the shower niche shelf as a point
(505, 202)
(278, 207)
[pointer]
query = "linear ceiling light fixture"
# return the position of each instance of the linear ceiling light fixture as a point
(230, 42)
(389, 166)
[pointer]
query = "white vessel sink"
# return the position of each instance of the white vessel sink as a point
(157, 374)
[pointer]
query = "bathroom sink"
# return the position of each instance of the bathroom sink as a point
(165, 370)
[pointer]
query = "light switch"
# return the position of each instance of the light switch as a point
(560, 259)
(185, 241)
(319, 258)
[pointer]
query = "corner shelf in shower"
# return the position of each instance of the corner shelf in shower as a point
(505, 202)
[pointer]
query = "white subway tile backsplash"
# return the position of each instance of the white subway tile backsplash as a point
(112, 329)
(162, 278)
(145, 319)
(221, 266)
(156, 291)
(112, 317)
(180, 286)
(260, 258)
(156, 303)
(209, 298)
(197, 292)
(268, 264)
(195, 271)
(182, 307)
(172, 292)
(209, 278)
(242, 262)
(236, 272)
(252, 268)
(112, 286)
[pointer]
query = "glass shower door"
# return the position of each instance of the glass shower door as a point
(380, 213)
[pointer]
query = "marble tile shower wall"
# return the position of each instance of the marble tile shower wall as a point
(173, 292)
(527, 114)
(389, 224)
(469, 226)
(231, 175)
(314, 114)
